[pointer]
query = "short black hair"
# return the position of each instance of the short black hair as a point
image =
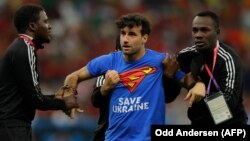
(134, 19)
(26, 14)
(117, 43)
(212, 15)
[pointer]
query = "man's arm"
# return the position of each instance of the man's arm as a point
(96, 97)
(72, 80)
(231, 81)
(27, 79)
(172, 70)
(192, 69)
(104, 87)
(171, 89)
(76, 77)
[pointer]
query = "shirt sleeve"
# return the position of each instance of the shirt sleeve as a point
(100, 65)
(96, 97)
(171, 89)
(24, 65)
(231, 81)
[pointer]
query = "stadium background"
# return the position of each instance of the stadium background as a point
(84, 29)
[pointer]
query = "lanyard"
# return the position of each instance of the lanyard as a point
(211, 73)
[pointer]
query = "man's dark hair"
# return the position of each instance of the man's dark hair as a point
(25, 15)
(210, 14)
(131, 20)
(117, 43)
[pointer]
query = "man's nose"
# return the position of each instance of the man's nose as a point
(198, 34)
(125, 38)
(49, 26)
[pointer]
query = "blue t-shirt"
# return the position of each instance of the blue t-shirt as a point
(138, 100)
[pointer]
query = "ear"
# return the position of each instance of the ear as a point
(145, 38)
(32, 26)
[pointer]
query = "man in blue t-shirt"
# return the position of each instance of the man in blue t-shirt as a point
(135, 77)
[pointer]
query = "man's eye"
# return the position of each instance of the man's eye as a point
(194, 30)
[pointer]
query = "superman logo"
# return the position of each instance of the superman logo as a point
(131, 79)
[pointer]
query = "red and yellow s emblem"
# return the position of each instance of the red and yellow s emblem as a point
(133, 78)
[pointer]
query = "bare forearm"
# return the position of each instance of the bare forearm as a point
(76, 77)
(71, 80)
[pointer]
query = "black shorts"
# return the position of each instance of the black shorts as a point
(15, 130)
(15, 134)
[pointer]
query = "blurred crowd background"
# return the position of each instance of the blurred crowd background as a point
(84, 29)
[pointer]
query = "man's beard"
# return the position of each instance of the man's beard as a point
(43, 40)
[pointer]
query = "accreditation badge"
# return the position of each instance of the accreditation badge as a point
(218, 107)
